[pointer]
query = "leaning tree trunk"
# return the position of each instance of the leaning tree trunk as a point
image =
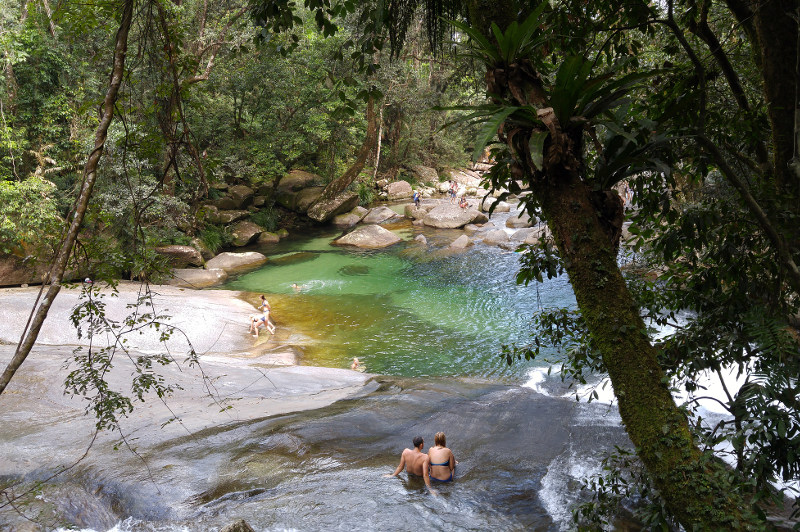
(56, 274)
(693, 486)
(318, 211)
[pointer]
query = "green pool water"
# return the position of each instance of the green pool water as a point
(408, 310)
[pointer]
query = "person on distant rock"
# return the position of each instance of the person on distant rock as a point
(416, 198)
(442, 461)
(453, 190)
(463, 203)
(415, 462)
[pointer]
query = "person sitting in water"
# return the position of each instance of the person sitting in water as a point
(415, 461)
(442, 461)
(297, 287)
(356, 364)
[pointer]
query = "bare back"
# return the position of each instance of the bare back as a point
(442, 462)
(415, 461)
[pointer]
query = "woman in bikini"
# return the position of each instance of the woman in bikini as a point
(443, 463)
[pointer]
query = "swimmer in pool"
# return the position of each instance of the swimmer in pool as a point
(415, 462)
(442, 461)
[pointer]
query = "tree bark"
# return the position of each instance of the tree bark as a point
(56, 274)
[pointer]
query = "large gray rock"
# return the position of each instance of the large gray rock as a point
(245, 233)
(379, 215)
(325, 210)
(228, 217)
(425, 174)
(520, 220)
(180, 256)
(399, 190)
(297, 180)
(370, 237)
(197, 278)
(236, 262)
(447, 216)
(421, 239)
(461, 242)
(495, 237)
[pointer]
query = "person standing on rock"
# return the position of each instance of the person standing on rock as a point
(416, 198)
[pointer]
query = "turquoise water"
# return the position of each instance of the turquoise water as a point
(407, 310)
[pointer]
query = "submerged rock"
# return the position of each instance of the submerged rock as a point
(421, 239)
(370, 237)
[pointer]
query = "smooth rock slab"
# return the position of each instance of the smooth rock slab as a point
(227, 217)
(298, 180)
(197, 278)
(236, 262)
(268, 238)
(369, 237)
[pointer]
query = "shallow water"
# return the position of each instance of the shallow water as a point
(408, 310)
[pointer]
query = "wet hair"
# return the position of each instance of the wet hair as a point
(417, 441)
(439, 439)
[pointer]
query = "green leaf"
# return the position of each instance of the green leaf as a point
(489, 130)
(536, 145)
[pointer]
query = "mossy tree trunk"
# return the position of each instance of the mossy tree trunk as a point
(585, 224)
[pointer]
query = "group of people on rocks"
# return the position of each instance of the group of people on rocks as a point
(437, 465)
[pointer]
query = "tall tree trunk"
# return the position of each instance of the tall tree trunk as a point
(694, 486)
(56, 274)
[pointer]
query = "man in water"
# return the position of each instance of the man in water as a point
(416, 462)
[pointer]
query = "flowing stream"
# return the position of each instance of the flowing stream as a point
(429, 322)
